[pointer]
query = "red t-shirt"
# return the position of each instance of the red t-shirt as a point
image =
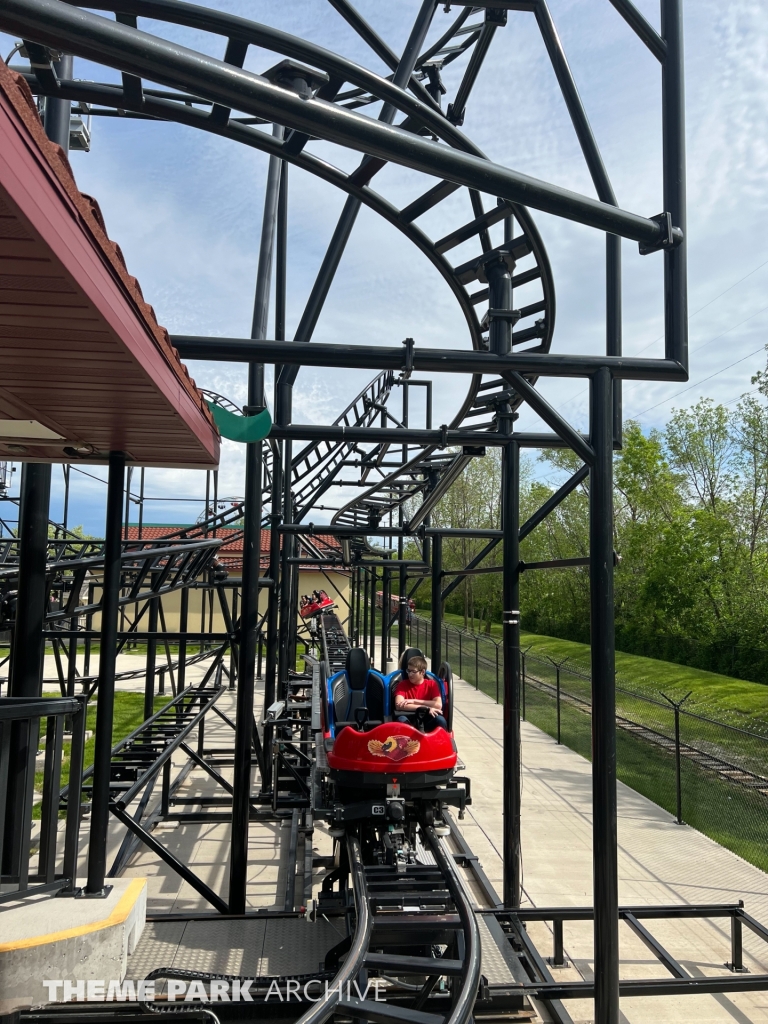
(427, 689)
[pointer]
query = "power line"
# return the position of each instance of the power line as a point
(729, 289)
(690, 317)
(706, 304)
(739, 324)
(698, 382)
(700, 347)
(739, 397)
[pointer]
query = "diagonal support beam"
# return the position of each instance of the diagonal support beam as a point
(472, 565)
(528, 526)
(173, 862)
(551, 503)
(551, 417)
(642, 28)
(661, 954)
(379, 47)
(202, 763)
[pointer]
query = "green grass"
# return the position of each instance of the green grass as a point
(731, 815)
(129, 714)
(649, 675)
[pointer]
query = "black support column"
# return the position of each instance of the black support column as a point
(26, 668)
(287, 619)
(276, 501)
(151, 665)
(110, 608)
(673, 129)
(364, 609)
(604, 836)
(246, 670)
(372, 610)
(57, 112)
(499, 275)
(249, 608)
(436, 653)
(511, 649)
(270, 674)
(386, 616)
(26, 674)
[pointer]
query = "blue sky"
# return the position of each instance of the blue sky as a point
(185, 208)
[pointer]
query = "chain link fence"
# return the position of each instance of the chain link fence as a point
(709, 770)
(477, 659)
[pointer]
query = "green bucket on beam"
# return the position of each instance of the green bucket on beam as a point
(243, 429)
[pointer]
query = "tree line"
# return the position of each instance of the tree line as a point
(690, 530)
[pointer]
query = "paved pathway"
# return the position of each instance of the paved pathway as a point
(660, 862)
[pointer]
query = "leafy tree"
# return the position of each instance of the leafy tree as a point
(701, 444)
(690, 527)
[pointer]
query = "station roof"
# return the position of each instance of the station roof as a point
(83, 362)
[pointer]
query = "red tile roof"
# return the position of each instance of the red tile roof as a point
(231, 551)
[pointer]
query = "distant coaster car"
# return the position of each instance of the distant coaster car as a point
(317, 602)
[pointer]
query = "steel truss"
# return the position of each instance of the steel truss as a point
(506, 295)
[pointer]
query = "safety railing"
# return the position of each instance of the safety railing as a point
(20, 719)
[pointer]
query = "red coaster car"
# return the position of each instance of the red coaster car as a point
(386, 771)
(317, 602)
(361, 736)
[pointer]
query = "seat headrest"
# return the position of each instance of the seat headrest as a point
(357, 668)
(408, 653)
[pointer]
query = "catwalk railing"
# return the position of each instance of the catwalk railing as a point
(708, 767)
(20, 719)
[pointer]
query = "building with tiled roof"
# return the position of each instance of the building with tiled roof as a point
(231, 551)
(203, 603)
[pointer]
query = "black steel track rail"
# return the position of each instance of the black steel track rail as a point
(242, 33)
(138, 53)
(202, 91)
(445, 909)
(314, 467)
(149, 569)
(334, 641)
(138, 758)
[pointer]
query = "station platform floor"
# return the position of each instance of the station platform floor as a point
(660, 862)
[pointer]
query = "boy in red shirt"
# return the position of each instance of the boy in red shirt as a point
(419, 692)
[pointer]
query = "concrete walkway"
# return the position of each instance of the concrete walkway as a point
(660, 862)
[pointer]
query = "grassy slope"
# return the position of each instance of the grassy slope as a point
(732, 815)
(129, 714)
(647, 674)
